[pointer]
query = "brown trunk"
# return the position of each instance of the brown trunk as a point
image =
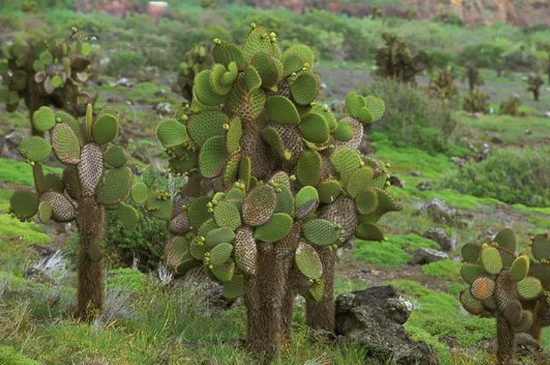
(505, 338)
(287, 313)
(91, 227)
(320, 314)
(536, 94)
(263, 297)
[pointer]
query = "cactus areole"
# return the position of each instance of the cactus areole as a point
(276, 182)
(95, 178)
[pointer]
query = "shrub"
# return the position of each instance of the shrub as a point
(510, 106)
(511, 176)
(412, 118)
(476, 102)
(126, 63)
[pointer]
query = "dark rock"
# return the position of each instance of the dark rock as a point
(395, 181)
(440, 236)
(9, 145)
(415, 173)
(449, 341)
(424, 256)
(374, 318)
(424, 185)
(496, 140)
(528, 347)
(460, 161)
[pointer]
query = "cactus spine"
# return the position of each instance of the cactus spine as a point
(275, 181)
(94, 179)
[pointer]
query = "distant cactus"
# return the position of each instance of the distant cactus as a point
(395, 60)
(534, 82)
(443, 87)
(507, 286)
(276, 182)
(510, 106)
(473, 77)
(44, 72)
(195, 60)
(95, 178)
(476, 102)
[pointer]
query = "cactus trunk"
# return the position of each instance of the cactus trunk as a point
(264, 300)
(320, 314)
(91, 225)
(505, 338)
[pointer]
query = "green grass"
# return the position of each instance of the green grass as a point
(10, 356)
(391, 253)
(443, 270)
(126, 279)
(14, 230)
(19, 172)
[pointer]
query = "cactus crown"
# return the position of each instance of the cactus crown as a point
(268, 165)
(195, 60)
(51, 71)
(501, 282)
(94, 168)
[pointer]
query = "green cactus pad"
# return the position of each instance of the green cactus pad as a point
(225, 271)
(491, 259)
(116, 186)
(139, 192)
(24, 204)
(221, 79)
(321, 232)
(44, 211)
(529, 288)
(507, 257)
(43, 119)
(345, 161)
(542, 272)
(344, 132)
(482, 288)
(316, 290)
(274, 139)
(257, 40)
(105, 128)
(159, 207)
(220, 253)
(90, 168)
(278, 226)
(203, 90)
(78, 128)
(525, 322)
(285, 201)
(308, 168)
(354, 102)
(471, 304)
(212, 157)
(329, 190)
(219, 235)
(198, 211)
(470, 272)
(245, 250)
(197, 248)
(315, 128)
(259, 205)
(231, 170)
(127, 215)
(306, 198)
(52, 182)
(506, 239)
(269, 68)
(297, 57)
(541, 247)
(115, 156)
(62, 208)
(234, 288)
(36, 149)
(366, 201)
(206, 124)
(171, 133)
(360, 180)
(519, 268)
(207, 226)
(226, 52)
(234, 134)
(512, 311)
(308, 261)
(305, 88)
(369, 232)
(281, 110)
(227, 215)
(376, 107)
(251, 79)
(65, 144)
(471, 252)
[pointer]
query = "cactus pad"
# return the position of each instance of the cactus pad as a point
(305, 88)
(366, 201)
(105, 128)
(278, 226)
(220, 253)
(308, 261)
(65, 144)
(179, 224)
(525, 322)
(219, 235)
(542, 272)
(506, 239)
(35, 149)
(171, 133)
(44, 211)
(90, 168)
(245, 251)
(470, 272)
(491, 260)
(345, 161)
(139, 192)
(541, 247)
(212, 157)
(482, 288)
(359, 180)
(234, 134)
(116, 187)
(471, 304)
(62, 209)
(321, 232)
(376, 107)
(315, 128)
(115, 156)
(369, 232)
(281, 110)
(43, 119)
(529, 288)
(209, 123)
(259, 205)
(127, 215)
(329, 190)
(24, 204)
(198, 211)
(227, 215)
(519, 268)
(308, 169)
(234, 288)
(225, 271)
(471, 252)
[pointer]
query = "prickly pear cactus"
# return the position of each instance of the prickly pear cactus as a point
(534, 82)
(43, 71)
(476, 101)
(273, 176)
(95, 178)
(195, 60)
(443, 86)
(506, 285)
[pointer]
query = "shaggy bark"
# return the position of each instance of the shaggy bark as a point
(505, 338)
(91, 227)
(320, 314)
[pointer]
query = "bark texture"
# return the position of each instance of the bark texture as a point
(320, 314)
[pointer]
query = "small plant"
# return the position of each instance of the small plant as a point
(28, 6)
(507, 286)
(195, 60)
(395, 60)
(476, 102)
(95, 178)
(376, 12)
(276, 183)
(443, 87)
(473, 77)
(534, 82)
(510, 106)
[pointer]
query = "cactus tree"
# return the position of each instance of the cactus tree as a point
(510, 287)
(473, 77)
(95, 178)
(534, 82)
(274, 179)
